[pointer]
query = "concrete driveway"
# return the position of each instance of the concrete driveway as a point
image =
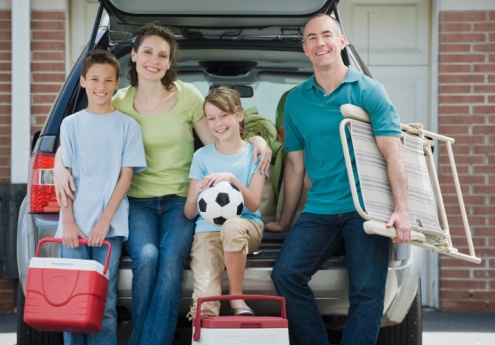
(453, 328)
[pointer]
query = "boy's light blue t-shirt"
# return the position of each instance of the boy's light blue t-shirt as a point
(311, 123)
(208, 160)
(96, 147)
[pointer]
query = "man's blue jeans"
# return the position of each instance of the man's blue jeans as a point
(160, 238)
(108, 332)
(310, 242)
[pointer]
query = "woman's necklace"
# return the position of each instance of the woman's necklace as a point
(151, 109)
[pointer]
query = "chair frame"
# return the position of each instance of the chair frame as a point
(438, 243)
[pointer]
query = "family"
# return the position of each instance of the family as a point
(126, 172)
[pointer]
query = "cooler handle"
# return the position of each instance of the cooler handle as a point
(81, 241)
(197, 321)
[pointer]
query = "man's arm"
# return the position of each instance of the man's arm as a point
(391, 149)
(293, 187)
(99, 232)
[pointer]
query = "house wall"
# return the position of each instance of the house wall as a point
(48, 58)
(466, 112)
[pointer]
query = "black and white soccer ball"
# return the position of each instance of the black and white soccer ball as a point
(221, 202)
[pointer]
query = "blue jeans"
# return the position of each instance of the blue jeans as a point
(108, 332)
(160, 238)
(310, 242)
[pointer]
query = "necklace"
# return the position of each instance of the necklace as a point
(152, 109)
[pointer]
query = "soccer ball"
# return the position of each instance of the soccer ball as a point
(221, 202)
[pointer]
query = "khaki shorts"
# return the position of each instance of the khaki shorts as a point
(207, 264)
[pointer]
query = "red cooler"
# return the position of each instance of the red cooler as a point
(66, 295)
(240, 330)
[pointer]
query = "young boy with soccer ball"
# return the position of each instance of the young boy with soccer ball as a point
(215, 247)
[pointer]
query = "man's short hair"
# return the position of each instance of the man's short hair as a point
(318, 15)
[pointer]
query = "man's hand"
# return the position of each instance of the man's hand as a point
(400, 220)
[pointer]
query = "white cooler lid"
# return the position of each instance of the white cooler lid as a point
(67, 264)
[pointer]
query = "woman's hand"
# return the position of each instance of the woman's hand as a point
(261, 148)
(63, 181)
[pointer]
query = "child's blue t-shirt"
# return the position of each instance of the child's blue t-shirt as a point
(96, 147)
(207, 160)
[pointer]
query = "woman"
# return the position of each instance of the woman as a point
(160, 235)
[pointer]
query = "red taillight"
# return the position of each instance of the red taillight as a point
(41, 191)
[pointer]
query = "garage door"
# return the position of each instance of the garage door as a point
(394, 39)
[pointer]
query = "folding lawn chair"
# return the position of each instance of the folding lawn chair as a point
(424, 195)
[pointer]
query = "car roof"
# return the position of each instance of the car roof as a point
(215, 13)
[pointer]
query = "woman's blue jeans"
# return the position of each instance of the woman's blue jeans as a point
(160, 238)
(108, 332)
(310, 242)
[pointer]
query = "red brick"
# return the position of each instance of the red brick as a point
(458, 58)
(453, 110)
(463, 284)
(457, 99)
(484, 68)
(487, 109)
(45, 67)
(45, 88)
(461, 119)
(455, 27)
(40, 109)
(483, 231)
(443, 89)
(446, 68)
(484, 88)
(38, 25)
(461, 78)
(46, 15)
(48, 77)
(454, 48)
(7, 307)
(48, 36)
(5, 15)
(43, 99)
(482, 169)
(464, 16)
(455, 273)
(462, 37)
(49, 46)
(455, 295)
(484, 27)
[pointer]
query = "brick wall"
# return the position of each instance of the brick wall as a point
(47, 63)
(47, 76)
(466, 108)
(5, 93)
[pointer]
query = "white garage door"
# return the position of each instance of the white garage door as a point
(394, 38)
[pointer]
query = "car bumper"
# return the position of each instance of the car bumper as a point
(329, 284)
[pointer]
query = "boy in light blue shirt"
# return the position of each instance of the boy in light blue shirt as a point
(102, 149)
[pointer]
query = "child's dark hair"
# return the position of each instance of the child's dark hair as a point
(100, 56)
(153, 29)
(227, 100)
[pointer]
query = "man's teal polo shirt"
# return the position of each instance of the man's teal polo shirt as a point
(312, 124)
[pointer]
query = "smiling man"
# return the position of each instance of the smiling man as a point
(312, 143)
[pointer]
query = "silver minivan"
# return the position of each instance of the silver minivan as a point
(255, 47)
